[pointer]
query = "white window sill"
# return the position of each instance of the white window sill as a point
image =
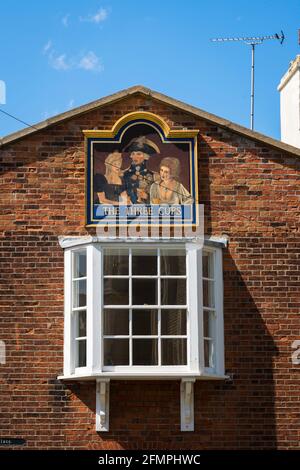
(73, 241)
(143, 376)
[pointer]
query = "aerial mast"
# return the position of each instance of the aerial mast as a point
(252, 41)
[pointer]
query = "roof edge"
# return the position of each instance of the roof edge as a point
(212, 118)
(71, 113)
(293, 68)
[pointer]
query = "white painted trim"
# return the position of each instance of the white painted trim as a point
(195, 365)
(293, 68)
(141, 376)
(215, 240)
(69, 365)
(218, 333)
(102, 405)
(70, 242)
(73, 241)
(187, 404)
(98, 308)
(219, 300)
(81, 371)
(194, 270)
(162, 370)
(89, 307)
(94, 288)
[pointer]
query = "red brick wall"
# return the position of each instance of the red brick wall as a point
(251, 193)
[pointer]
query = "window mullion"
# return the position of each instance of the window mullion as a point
(94, 307)
(130, 337)
(69, 344)
(130, 309)
(159, 306)
(219, 318)
(194, 301)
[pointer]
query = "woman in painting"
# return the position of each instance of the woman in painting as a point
(109, 187)
(167, 189)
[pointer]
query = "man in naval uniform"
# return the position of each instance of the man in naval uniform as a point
(137, 178)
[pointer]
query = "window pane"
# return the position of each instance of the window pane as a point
(81, 324)
(172, 262)
(208, 320)
(116, 262)
(79, 293)
(81, 353)
(208, 353)
(207, 264)
(173, 352)
(208, 293)
(144, 262)
(116, 352)
(144, 291)
(116, 291)
(144, 322)
(173, 291)
(116, 322)
(173, 322)
(145, 352)
(79, 264)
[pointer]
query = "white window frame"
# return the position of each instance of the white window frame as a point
(158, 306)
(195, 342)
(218, 328)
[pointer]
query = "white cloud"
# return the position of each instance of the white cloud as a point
(47, 47)
(71, 103)
(98, 17)
(65, 20)
(90, 62)
(60, 62)
(57, 61)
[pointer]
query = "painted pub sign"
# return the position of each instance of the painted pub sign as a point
(140, 169)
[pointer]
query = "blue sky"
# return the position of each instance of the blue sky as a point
(61, 54)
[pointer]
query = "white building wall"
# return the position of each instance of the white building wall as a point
(289, 89)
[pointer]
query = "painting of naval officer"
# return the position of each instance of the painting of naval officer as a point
(141, 170)
(138, 178)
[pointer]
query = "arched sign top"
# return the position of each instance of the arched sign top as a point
(141, 116)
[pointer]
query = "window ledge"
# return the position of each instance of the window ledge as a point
(143, 376)
(73, 241)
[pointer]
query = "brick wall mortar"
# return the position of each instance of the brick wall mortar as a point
(251, 193)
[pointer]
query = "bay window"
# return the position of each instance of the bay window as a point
(151, 309)
(143, 310)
